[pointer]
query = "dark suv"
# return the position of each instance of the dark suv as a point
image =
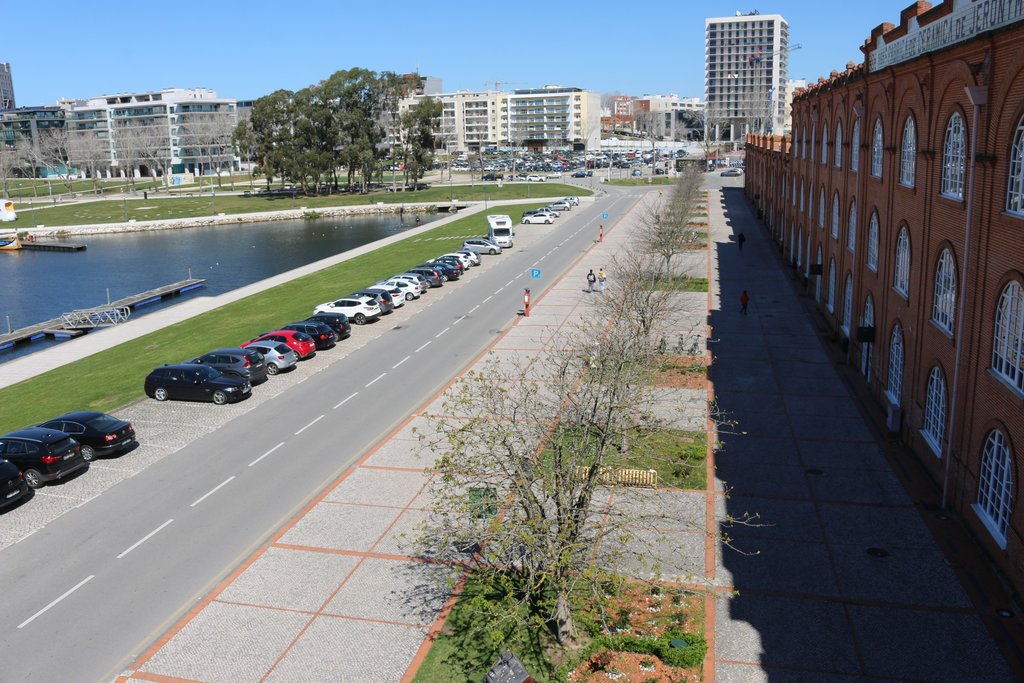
(242, 363)
(432, 275)
(323, 336)
(336, 321)
(12, 484)
(42, 454)
(195, 383)
(447, 270)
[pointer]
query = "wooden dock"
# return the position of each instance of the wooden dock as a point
(75, 323)
(52, 246)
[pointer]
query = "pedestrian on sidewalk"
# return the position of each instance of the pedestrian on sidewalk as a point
(744, 300)
(591, 279)
(740, 239)
(601, 278)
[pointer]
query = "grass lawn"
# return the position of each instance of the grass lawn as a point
(677, 455)
(115, 211)
(114, 377)
(39, 188)
(682, 283)
(635, 182)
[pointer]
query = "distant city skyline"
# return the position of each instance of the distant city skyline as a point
(250, 52)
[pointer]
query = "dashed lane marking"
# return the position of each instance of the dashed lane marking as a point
(266, 454)
(212, 491)
(66, 594)
(142, 540)
(309, 425)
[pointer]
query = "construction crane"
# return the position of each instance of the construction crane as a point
(497, 84)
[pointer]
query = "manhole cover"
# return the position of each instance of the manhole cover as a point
(815, 471)
(878, 552)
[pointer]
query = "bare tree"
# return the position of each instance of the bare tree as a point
(710, 118)
(664, 223)
(130, 139)
(91, 152)
(208, 135)
(8, 165)
(53, 152)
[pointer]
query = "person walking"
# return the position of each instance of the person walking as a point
(601, 278)
(744, 300)
(591, 279)
(740, 239)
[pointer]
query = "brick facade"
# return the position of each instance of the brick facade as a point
(929, 90)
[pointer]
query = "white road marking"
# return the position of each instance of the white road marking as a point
(212, 491)
(520, 275)
(69, 592)
(536, 262)
(498, 291)
(346, 400)
(487, 299)
(27, 535)
(145, 538)
(459, 320)
(309, 425)
(373, 381)
(422, 347)
(441, 332)
(509, 282)
(473, 309)
(266, 454)
(400, 362)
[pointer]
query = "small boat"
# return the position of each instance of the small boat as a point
(10, 242)
(7, 214)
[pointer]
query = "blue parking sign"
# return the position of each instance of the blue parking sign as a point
(535, 273)
(604, 216)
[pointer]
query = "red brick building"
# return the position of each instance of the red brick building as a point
(900, 195)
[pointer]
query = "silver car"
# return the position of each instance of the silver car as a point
(277, 355)
(482, 245)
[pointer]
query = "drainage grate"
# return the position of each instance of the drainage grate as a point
(878, 552)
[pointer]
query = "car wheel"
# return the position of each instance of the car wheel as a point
(33, 479)
(160, 394)
(408, 296)
(220, 398)
(492, 252)
(548, 222)
(88, 453)
(272, 369)
(359, 319)
(444, 278)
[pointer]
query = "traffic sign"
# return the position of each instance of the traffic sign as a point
(535, 273)
(604, 216)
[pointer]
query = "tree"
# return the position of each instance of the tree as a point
(273, 133)
(710, 118)
(417, 136)
(664, 224)
(8, 165)
(244, 140)
(130, 139)
(207, 134)
(53, 153)
(91, 152)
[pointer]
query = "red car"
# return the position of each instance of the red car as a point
(299, 342)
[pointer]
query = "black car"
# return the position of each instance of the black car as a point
(433, 275)
(453, 261)
(383, 298)
(97, 433)
(336, 321)
(448, 271)
(12, 484)
(242, 363)
(323, 336)
(492, 176)
(195, 383)
(42, 454)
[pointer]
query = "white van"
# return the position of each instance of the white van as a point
(500, 230)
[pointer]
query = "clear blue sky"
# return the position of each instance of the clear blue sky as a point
(245, 50)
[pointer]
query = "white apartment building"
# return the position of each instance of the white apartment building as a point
(745, 65)
(175, 130)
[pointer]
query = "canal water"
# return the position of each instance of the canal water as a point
(40, 285)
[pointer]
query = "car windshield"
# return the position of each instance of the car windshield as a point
(282, 348)
(102, 423)
(302, 336)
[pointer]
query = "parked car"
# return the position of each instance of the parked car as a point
(407, 289)
(554, 213)
(637, 173)
(554, 175)
(236, 361)
(492, 176)
(474, 258)
(299, 342)
(359, 310)
(188, 382)
(415, 279)
(276, 355)
(12, 484)
(383, 299)
(574, 201)
(321, 334)
(541, 218)
(456, 263)
(560, 206)
(465, 260)
(434, 276)
(579, 174)
(482, 245)
(42, 454)
(336, 321)
(731, 172)
(96, 433)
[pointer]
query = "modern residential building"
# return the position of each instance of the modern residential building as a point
(662, 116)
(745, 67)
(28, 125)
(899, 197)
(6, 87)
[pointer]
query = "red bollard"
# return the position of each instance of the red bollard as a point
(600, 233)
(526, 303)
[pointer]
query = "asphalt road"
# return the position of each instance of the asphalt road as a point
(89, 592)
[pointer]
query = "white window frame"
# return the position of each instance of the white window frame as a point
(933, 427)
(830, 303)
(847, 304)
(908, 153)
(835, 216)
(894, 381)
(855, 147)
(821, 208)
(944, 293)
(873, 242)
(953, 158)
(1008, 337)
(1015, 187)
(867, 350)
(851, 228)
(901, 268)
(876, 149)
(994, 506)
(824, 144)
(837, 154)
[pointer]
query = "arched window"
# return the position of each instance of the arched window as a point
(894, 385)
(792, 244)
(944, 303)
(855, 147)
(831, 303)
(847, 304)
(821, 208)
(901, 274)
(835, 215)
(800, 247)
(867, 350)
(876, 150)
(814, 142)
(908, 153)
(794, 143)
(838, 152)
(792, 191)
(817, 278)
(824, 143)
(995, 486)
(873, 242)
(851, 227)
(1008, 340)
(934, 428)
(953, 158)
(1015, 191)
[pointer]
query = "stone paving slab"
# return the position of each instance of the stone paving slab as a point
(913, 576)
(290, 579)
(765, 479)
(340, 527)
(390, 590)
(857, 485)
(402, 453)
(378, 487)
(773, 564)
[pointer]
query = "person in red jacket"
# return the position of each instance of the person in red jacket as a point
(744, 300)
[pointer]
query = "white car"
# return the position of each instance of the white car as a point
(397, 295)
(555, 175)
(574, 201)
(534, 178)
(407, 290)
(554, 213)
(466, 262)
(359, 309)
(417, 281)
(474, 257)
(482, 245)
(541, 218)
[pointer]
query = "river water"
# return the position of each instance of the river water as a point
(41, 285)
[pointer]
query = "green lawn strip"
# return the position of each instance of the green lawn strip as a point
(634, 182)
(114, 377)
(40, 189)
(683, 283)
(677, 455)
(115, 211)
